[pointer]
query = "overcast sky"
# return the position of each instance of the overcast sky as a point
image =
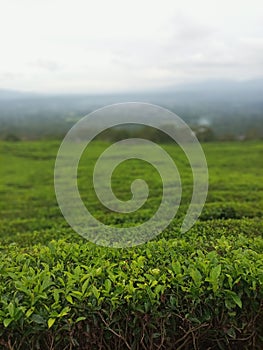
(122, 45)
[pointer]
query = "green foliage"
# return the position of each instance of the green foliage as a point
(202, 289)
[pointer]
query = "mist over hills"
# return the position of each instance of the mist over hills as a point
(228, 108)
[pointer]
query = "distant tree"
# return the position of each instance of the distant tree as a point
(154, 134)
(11, 138)
(252, 134)
(227, 137)
(204, 133)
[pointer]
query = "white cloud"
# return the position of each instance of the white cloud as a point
(47, 65)
(98, 46)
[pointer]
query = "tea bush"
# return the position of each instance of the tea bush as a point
(198, 290)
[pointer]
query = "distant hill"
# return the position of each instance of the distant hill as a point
(229, 108)
(14, 94)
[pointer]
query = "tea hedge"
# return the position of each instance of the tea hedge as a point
(198, 290)
(168, 293)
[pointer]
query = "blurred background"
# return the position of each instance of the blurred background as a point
(63, 59)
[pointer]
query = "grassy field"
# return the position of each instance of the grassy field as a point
(199, 290)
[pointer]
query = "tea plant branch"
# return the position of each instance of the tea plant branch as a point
(187, 333)
(113, 332)
(162, 335)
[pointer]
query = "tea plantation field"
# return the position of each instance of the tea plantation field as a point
(199, 290)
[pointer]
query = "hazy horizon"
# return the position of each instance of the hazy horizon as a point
(202, 86)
